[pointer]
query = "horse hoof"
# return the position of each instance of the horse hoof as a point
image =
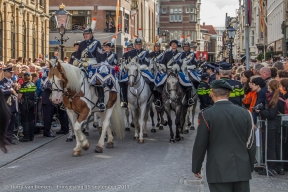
(86, 147)
(178, 139)
(158, 125)
(76, 154)
(110, 145)
(189, 123)
(192, 128)
(73, 137)
(140, 141)
(165, 123)
(161, 127)
(132, 125)
(153, 130)
(69, 140)
(127, 129)
(186, 131)
(98, 149)
(136, 138)
(145, 135)
(172, 141)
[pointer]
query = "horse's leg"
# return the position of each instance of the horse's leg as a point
(110, 143)
(127, 120)
(71, 131)
(178, 122)
(158, 120)
(153, 130)
(135, 117)
(193, 115)
(187, 118)
(145, 121)
(95, 122)
(106, 121)
(183, 120)
(141, 122)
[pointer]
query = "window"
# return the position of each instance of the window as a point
(13, 41)
(110, 21)
(190, 10)
(171, 11)
(179, 10)
(24, 40)
(126, 23)
(34, 42)
(164, 10)
(193, 18)
(41, 2)
(175, 18)
(252, 38)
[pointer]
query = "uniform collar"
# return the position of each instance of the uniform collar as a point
(174, 51)
(222, 100)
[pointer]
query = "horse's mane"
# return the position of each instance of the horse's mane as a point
(73, 74)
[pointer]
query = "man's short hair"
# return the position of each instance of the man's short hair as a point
(282, 74)
(221, 92)
(258, 81)
(257, 67)
(225, 72)
(278, 65)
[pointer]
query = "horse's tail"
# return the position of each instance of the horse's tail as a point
(117, 119)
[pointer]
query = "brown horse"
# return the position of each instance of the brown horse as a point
(70, 86)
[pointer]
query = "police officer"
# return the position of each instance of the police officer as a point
(204, 91)
(27, 100)
(73, 55)
(225, 70)
(10, 95)
(139, 53)
(189, 55)
(171, 58)
(91, 49)
(47, 105)
(210, 70)
(109, 56)
(225, 131)
(124, 84)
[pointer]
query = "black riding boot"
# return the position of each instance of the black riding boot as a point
(124, 89)
(26, 132)
(189, 97)
(100, 104)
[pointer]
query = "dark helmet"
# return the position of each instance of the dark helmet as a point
(138, 41)
(186, 44)
(130, 45)
(109, 44)
(88, 30)
(77, 43)
(173, 41)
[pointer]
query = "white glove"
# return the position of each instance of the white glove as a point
(75, 63)
(191, 67)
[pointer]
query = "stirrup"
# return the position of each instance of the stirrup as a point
(101, 106)
(157, 103)
(191, 102)
(124, 105)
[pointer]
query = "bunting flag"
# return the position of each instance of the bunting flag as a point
(262, 22)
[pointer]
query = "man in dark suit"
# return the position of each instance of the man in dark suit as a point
(10, 95)
(225, 131)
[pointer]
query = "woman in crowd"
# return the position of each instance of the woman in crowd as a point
(284, 86)
(4, 119)
(273, 107)
(249, 96)
(26, 98)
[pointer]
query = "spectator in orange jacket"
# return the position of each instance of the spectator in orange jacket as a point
(248, 94)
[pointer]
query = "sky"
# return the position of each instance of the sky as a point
(213, 11)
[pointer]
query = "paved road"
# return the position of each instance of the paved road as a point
(156, 165)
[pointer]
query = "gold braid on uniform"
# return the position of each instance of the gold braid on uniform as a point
(251, 136)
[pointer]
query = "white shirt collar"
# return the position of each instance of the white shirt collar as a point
(222, 100)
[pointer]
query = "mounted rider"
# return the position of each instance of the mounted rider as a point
(73, 55)
(123, 77)
(109, 56)
(171, 58)
(90, 53)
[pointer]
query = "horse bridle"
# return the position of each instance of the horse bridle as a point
(57, 88)
(135, 76)
(168, 90)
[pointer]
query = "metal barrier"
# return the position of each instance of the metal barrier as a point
(259, 143)
(260, 151)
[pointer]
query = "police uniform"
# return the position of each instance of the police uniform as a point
(142, 55)
(109, 57)
(47, 105)
(157, 56)
(225, 132)
(212, 77)
(204, 92)
(238, 92)
(74, 54)
(27, 106)
(189, 55)
(6, 85)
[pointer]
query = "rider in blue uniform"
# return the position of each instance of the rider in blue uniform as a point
(189, 55)
(91, 48)
(171, 58)
(122, 82)
(109, 56)
(140, 53)
(73, 55)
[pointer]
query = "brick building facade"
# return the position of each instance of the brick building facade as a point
(24, 29)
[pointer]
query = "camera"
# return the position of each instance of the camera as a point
(258, 107)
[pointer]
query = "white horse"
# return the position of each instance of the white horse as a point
(70, 86)
(139, 99)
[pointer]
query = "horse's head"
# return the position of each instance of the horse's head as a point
(58, 80)
(134, 71)
(172, 86)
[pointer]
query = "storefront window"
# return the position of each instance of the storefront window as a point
(110, 21)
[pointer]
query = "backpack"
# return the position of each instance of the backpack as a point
(285, 104)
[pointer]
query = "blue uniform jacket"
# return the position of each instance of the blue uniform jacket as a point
(171, 58)
(141, 54)
(94, 51)
(110, 58)
(5, 86)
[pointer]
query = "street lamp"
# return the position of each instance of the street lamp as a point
(62, 19)
(21, 8)
(231, 35)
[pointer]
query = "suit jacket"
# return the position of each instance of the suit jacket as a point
(45, 97)
(228, 159)
(5, 86)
